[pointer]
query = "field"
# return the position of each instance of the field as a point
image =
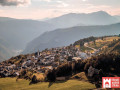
(100, 43)
(11, 84)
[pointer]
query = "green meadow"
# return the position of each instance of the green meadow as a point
(21, 84)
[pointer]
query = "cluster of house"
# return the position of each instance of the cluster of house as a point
(7, 70)
(44, 60)
(92, 71)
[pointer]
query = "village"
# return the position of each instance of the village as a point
(44, 60)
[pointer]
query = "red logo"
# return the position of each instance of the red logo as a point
(111, 82)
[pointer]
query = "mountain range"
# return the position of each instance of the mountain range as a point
(17, 33)
(82, 19)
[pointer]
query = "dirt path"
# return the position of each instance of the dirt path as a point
(86, 45)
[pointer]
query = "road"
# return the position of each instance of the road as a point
(86, 45)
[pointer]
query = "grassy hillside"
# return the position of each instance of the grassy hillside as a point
(113, 47)
(11, 84)
(110, 44)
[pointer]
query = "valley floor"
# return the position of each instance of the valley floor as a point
(11, 84)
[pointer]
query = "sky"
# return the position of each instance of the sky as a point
(40, 9)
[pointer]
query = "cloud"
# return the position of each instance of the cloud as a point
(62, 4)
(51, 4)
(14, 2)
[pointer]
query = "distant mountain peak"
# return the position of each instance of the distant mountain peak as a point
(70, 14)
(101, 13)
(98, 12)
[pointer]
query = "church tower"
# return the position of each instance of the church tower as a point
(38, 53)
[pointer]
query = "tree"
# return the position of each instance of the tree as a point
(119, 35)
(34, 79)
(51, 76)
(69, 58)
